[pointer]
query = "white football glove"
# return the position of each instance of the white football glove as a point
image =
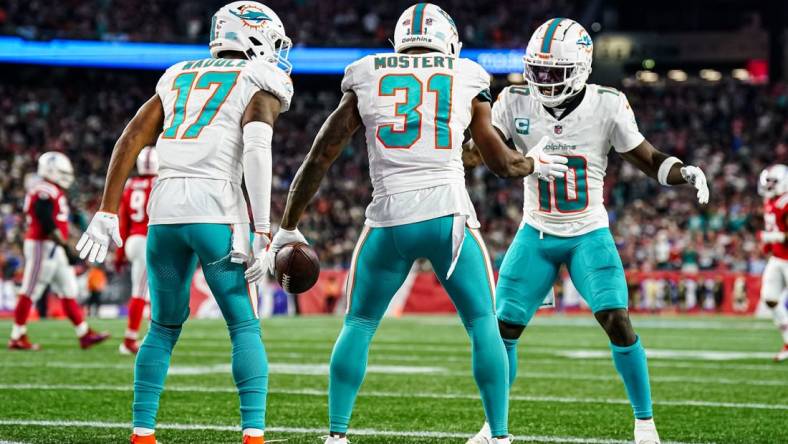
(95, 241)
(695, 177)
(772, 237)
(547, 167)
(282, 238)
(258, 265)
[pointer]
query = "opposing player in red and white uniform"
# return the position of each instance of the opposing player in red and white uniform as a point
(773, 186)
(133, 218)
(48, 261)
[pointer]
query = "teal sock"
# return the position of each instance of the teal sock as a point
(491, 371)
(348, 366)
(511, 354)
(630, 361)
(250, 372)
(150, 371)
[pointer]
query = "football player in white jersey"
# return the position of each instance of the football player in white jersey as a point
(211, 121)
(415, 104)
(564, 220)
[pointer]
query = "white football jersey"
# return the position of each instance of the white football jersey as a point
(416, 108)
(201, 147)
(574, 205)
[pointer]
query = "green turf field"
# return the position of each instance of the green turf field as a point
(712, 381)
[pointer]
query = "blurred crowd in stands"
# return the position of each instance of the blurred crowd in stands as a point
(308, 22)
(731, 129)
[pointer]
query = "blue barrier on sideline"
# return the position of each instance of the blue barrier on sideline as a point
(159, 56)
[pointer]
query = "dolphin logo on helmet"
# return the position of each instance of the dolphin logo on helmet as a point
(253, 29)
(250, 16)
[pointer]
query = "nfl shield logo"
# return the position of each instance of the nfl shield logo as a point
(558, 129)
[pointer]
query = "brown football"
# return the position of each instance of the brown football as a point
(297, 267)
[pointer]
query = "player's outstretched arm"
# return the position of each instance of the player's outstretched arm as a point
(666, 169)
(506, 162)
(493, 151)
(333, 136)
(142, 130)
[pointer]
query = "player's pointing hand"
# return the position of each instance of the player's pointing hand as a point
(695, 177)
(547, 167)
(94, 243)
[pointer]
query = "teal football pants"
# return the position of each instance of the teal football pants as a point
(381, 262)
(529, 270)
(173, 252)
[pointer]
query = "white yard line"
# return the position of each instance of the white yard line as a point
(382, 394)
(222, 347)
(307, 431)
(306, 369)
(280, 368)
(596, 360)
(396, 370)
(683, 323)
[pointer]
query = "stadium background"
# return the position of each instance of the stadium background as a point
(704, 79)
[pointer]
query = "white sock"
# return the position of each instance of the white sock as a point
(253, 432)
(81, 329)
(131, 334)
(142, 431)
(17, 331)
(645, 423)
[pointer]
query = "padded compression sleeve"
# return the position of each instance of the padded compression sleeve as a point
(258, 173)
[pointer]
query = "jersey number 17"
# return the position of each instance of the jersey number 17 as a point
(183, 85)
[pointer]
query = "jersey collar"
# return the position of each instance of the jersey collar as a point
(571, 105)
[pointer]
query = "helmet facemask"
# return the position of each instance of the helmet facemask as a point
(557, 61)
(553, 83)
(275, 49)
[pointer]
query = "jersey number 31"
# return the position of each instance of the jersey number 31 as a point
(408, 110)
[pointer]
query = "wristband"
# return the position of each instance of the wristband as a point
(664, 170)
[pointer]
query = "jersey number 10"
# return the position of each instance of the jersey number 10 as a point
(408, 110)
(183, 85)
(568, 194)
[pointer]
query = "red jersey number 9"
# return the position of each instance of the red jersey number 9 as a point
(137, 204)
